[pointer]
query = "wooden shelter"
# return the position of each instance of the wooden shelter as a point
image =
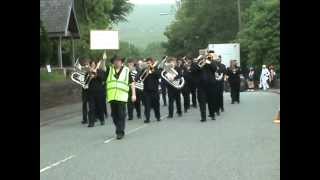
(59, 19)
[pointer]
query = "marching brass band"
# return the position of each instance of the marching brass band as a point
(126, 87)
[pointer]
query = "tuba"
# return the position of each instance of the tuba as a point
(80, 75)
(169, 74)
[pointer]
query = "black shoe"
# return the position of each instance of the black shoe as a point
(222, 109)
(213, 118)
(139, 117)
(84, 122)
(130, 119)
(101, 123)
(203, 120)
(179, 114)
(238, 102)
(232, 102)
(120, 136)
(169, 117)
(185, 111)
(90, 125)
(209, 115)
(218, 113)
(146, 121)
(158, 119)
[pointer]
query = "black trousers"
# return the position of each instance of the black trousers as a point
(204, 96)
(85, 102)
(220, 89)
(186, 98)
(151, 101)
(174, 96)
(118, 114)
(235, 92)
(193, 90)
(105, 104)
(134, 105)
(164, 92)
(96, 106)
(212, 98)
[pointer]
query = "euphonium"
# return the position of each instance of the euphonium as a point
(169, 74)
(80, 75)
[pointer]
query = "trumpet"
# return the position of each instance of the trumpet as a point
(147, 71)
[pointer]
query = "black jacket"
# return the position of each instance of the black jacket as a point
(204, 76)
(151, 83)
(234, 78)
(96, 85)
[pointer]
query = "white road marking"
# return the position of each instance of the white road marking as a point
(57, 163)
(136, 129)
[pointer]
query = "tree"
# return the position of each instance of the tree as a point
(201, 22)
(154, 50)
(260, 37)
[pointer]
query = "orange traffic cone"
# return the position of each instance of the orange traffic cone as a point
(277, 118)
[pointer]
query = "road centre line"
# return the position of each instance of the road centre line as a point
(57, 163)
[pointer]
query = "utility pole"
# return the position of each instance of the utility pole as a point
(239, 15)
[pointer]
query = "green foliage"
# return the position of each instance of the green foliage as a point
(127, 50)
(51, 77)
(201, 22)
(260, 36)
(45, 46)
(154, 50)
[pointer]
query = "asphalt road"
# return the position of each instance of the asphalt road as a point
(242, 144)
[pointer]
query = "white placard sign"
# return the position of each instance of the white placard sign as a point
(49, 68)
(103, 39)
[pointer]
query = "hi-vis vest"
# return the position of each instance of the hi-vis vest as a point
(117, 89)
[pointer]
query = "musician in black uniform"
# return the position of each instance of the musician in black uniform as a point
(133, 105)
(221, 71)
(205, 77)
(163, 91)
(174, 94)
(213, 87)
(151, 90)
(186, 90)
(96, 94)
(233, 73)
(103, 65)
(84, 97)
(139, 92)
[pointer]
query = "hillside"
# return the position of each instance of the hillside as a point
(146, 25)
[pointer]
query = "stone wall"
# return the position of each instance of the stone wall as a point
(59, 93)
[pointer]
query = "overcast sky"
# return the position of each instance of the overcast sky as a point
(152, 1)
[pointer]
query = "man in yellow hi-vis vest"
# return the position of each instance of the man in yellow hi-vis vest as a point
(118, 83)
